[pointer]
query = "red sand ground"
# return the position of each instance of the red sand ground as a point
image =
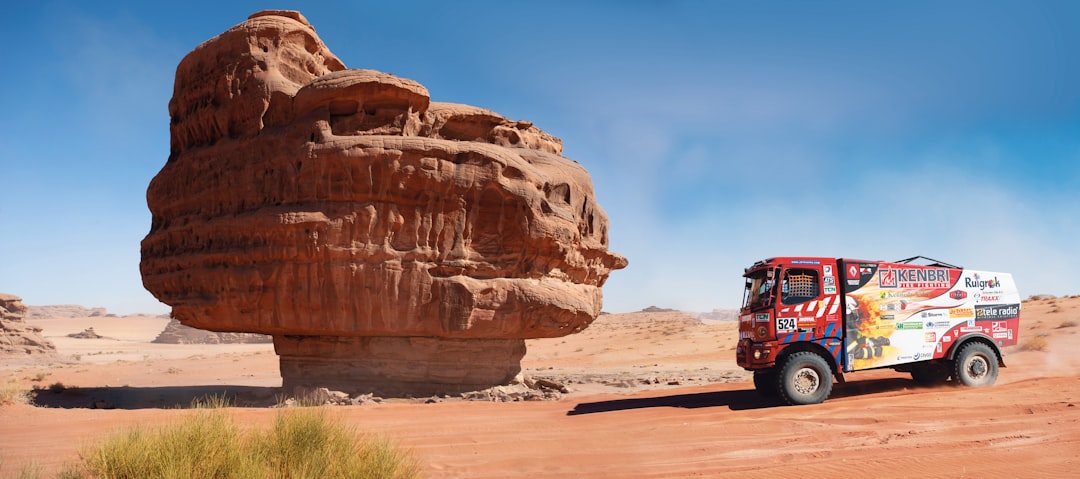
(696, 417)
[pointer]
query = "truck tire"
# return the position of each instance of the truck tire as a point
(804, 378)
(931, 374)
(976, 365)
(765, 383)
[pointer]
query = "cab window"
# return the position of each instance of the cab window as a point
(799, 286)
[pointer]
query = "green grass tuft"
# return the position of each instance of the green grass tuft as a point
(301, 443)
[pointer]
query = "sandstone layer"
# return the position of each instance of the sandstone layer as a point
(381, 238)
(18, 339)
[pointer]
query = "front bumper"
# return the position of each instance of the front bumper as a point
(753, 356)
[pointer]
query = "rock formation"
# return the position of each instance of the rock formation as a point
(18, 339)
(177, 333)
(388, 243)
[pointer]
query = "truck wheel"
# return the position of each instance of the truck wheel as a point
(804, 379)
(976, 365)
(930, 374)
(765, 383)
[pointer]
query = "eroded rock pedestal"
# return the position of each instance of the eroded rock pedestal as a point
(388, 243)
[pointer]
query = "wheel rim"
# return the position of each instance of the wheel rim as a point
(806, 381)
(977, 367)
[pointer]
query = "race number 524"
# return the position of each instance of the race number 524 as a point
(785, 324)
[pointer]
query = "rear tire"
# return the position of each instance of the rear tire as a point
(765, 383)
(976, 365)
(804, 378)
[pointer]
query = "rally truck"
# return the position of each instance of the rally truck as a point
(806, 320)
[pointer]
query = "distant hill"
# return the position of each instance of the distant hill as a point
(61, 311)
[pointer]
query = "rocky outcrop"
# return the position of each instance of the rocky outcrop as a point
(177, 333)
(87, 333)
(18, 339)
(384, 240)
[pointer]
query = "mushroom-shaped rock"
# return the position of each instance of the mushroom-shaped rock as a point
(387, 243)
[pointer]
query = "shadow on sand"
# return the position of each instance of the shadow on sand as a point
(161, 397)
(738, 400)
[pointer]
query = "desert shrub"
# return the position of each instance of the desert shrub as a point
(306, 443)
(302, 443)
(212, 401)
(12, 394)
(1037, 343)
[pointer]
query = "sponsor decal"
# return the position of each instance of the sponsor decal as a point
(894, 306)
(786, 324)
(946, 339)
(909, 325)
(860, 274)
(997, 311)
(897, 294)
(987, 298)
(962, 313)
(807, 322)
(969, 329)
(887, 278)
(981, 283)
(830, 281)
(936, 324)
(888, 316)
(932, 314)
(761, 318)
(827, 270)
(931, 337)
(958, 294)
(904, 358)
(914, 278)
(805, 261)
(830, 290)
(853, 275)
(1001, 335)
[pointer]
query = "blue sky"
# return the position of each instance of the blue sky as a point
(716, 133)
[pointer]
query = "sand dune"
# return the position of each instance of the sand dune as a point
(652, 395)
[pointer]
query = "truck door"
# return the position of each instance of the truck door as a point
(809, 308)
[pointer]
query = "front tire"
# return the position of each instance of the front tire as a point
(804, 378)
(976, 365)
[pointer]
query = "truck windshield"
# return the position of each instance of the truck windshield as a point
(759, 289)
